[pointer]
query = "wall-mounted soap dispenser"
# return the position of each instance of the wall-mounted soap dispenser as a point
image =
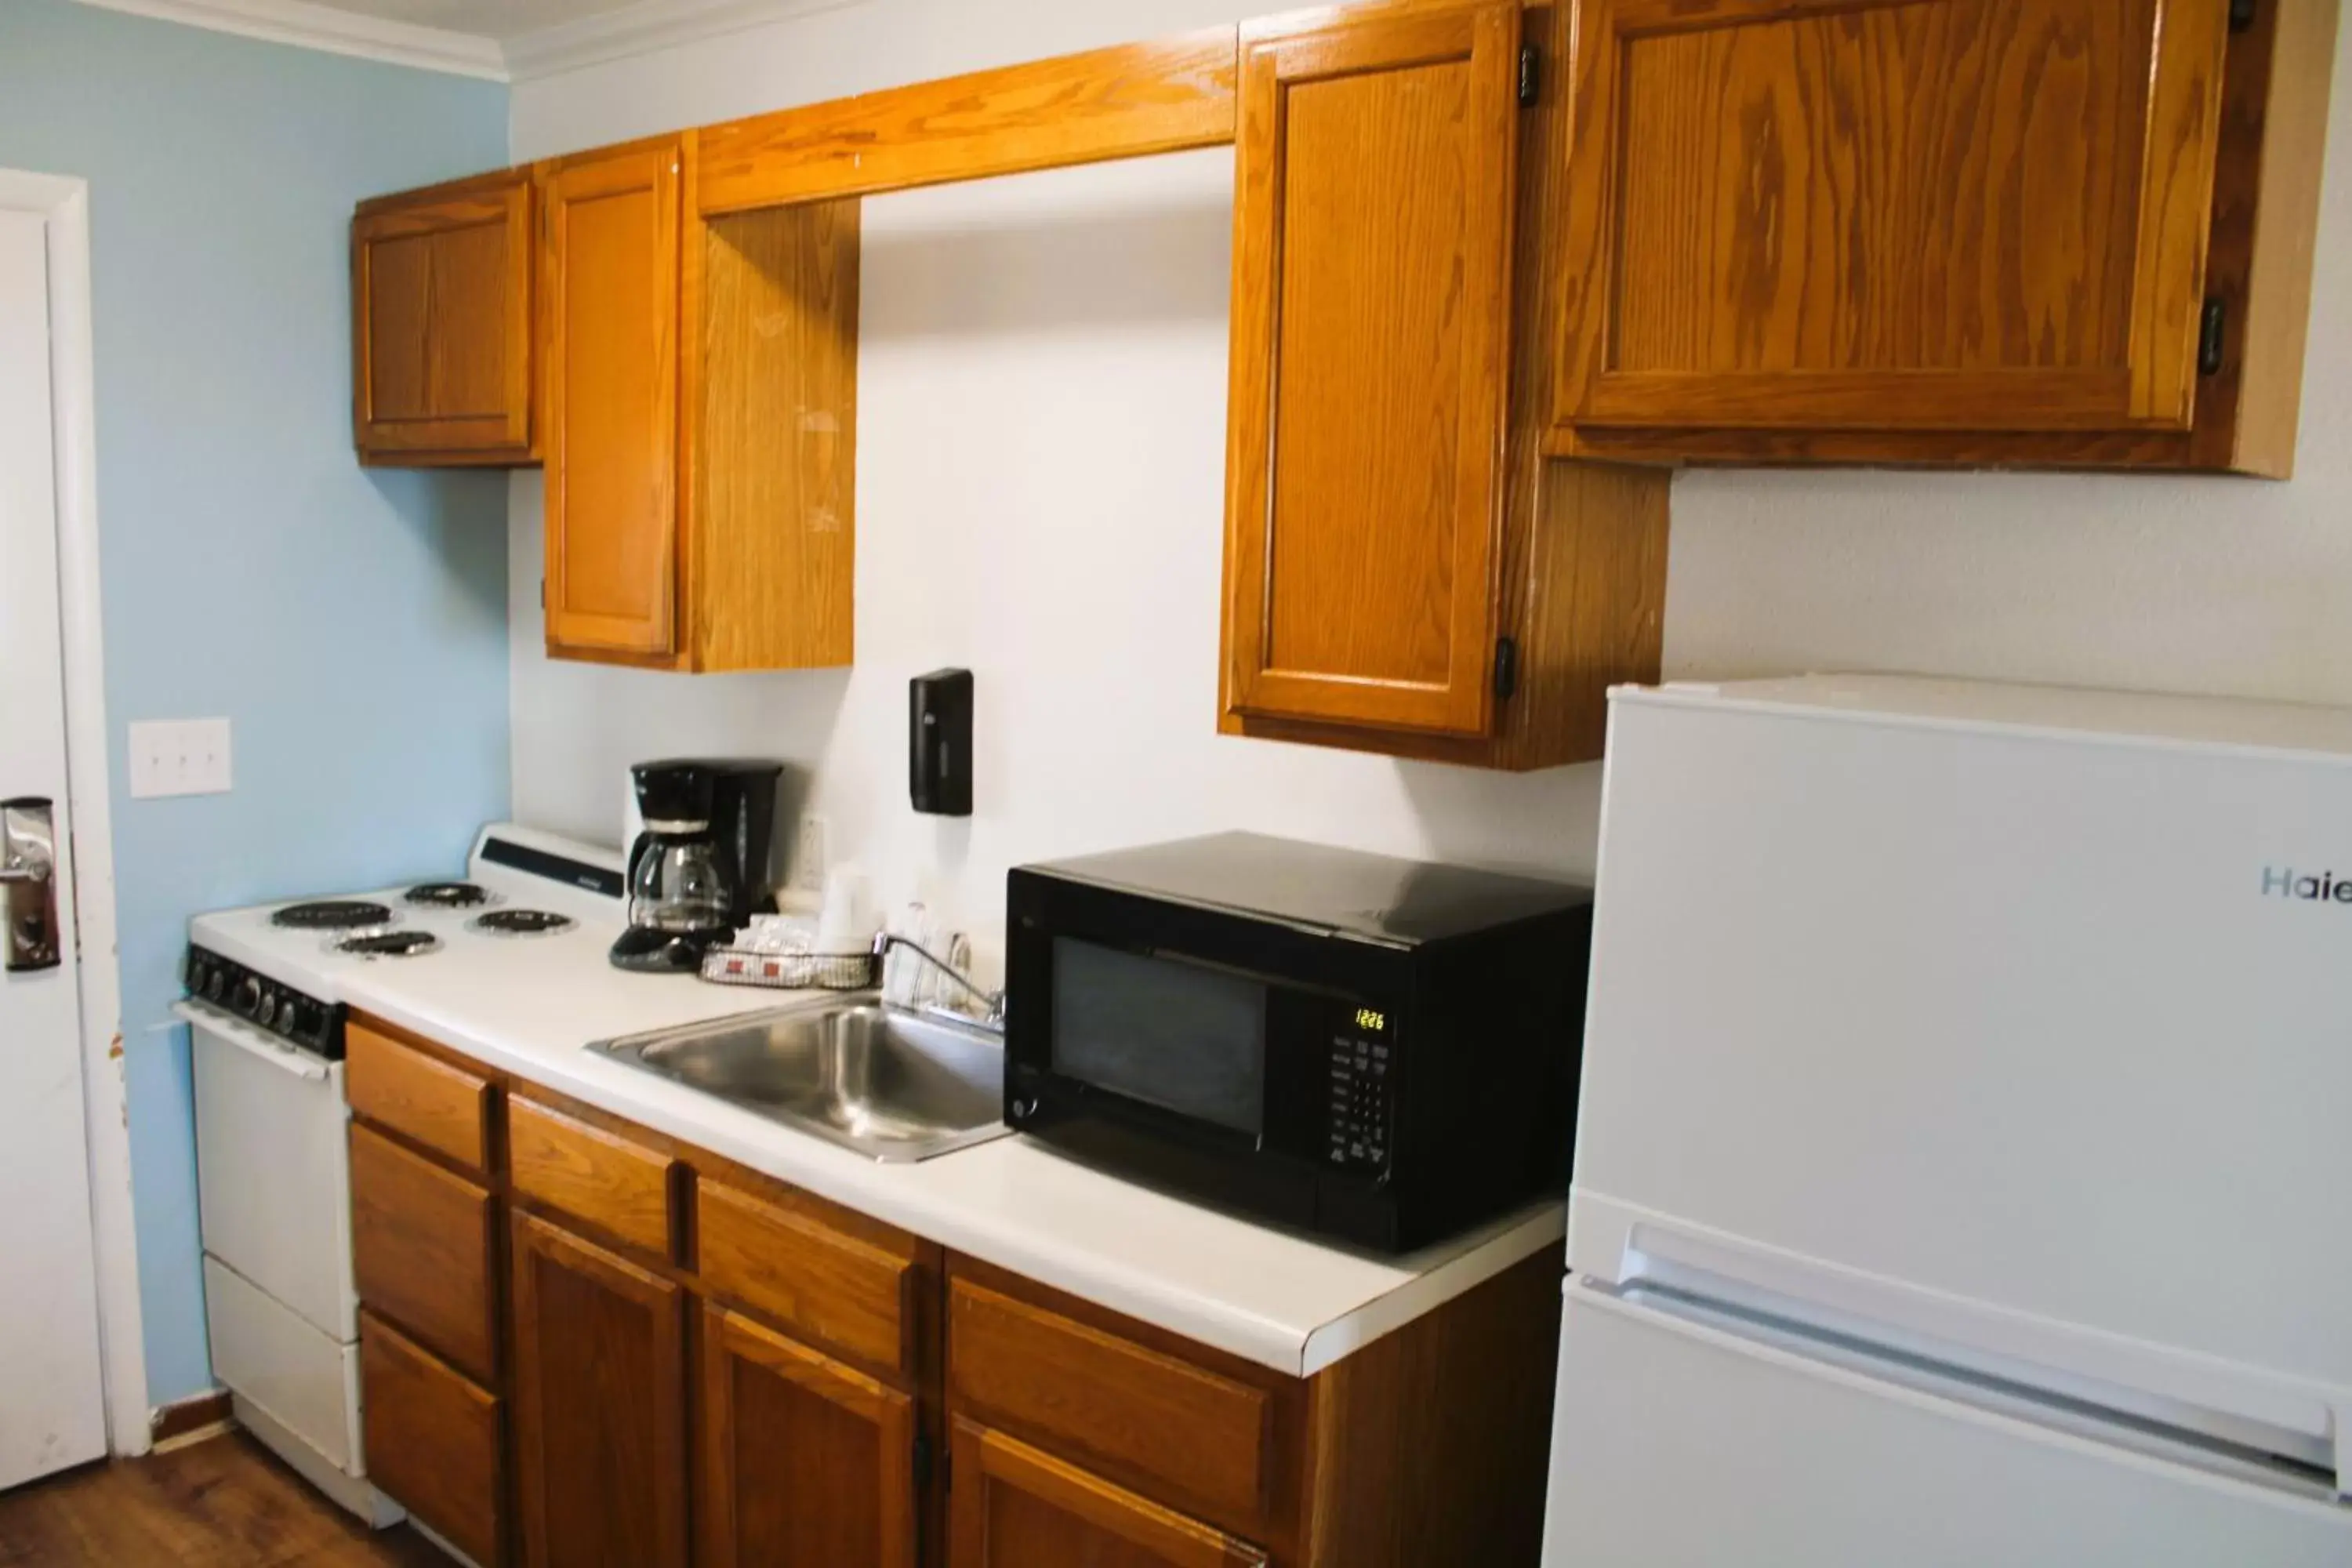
(938, 724)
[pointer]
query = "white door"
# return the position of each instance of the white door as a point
(52, 1411)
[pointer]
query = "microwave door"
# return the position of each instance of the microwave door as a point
(1688, 1436)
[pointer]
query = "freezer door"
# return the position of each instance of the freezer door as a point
(1681, 1446)
(2021, 1020)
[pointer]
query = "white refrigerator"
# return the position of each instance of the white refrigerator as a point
(1964, 1154)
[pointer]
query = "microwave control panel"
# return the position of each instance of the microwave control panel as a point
(1361, 1095)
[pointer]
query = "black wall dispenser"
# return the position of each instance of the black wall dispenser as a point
(939, 739)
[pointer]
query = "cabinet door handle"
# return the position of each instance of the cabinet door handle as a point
(28, 869)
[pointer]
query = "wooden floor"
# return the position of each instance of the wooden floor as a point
(223, 1503)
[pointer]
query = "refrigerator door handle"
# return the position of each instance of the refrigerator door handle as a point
(2243, 1409)
(1920, 1377)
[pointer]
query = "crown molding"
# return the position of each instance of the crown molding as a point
(311, 27)
(643, 27)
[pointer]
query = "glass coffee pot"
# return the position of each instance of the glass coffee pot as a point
(680, 901)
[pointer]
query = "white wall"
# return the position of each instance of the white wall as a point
(1040, 463)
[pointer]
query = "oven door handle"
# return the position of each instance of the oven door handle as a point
(236, 1031)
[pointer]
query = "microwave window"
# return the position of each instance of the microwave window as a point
(1186, 1039)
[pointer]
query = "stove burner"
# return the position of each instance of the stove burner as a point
(449, 895)
(334, 914)
(389, 944)
(520, 922)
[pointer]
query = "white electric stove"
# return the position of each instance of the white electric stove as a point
(267, 988)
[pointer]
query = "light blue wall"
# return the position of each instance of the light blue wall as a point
(350, 625)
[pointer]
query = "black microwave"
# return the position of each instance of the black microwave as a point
(1379, 1050)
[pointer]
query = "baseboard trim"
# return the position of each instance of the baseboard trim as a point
(190, 1420)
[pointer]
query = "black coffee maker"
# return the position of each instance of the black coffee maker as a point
(700, 870)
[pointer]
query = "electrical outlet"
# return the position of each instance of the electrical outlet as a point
(183, 756)
(808, 855)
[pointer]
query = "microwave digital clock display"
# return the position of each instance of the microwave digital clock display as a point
(1371, 1021)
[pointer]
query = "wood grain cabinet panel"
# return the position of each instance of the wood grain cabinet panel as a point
(618, 1185)
(833, 1289)
(434, 1442)
(1013, 1506)
(422, 1243)
(1372, 309)
(805, 1463)
(1925, 215)
(443, 1108)
(441, 308)
(612, 277)
(599, 1406)
(1204, 1440)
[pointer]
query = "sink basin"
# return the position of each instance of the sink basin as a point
(891, 1084)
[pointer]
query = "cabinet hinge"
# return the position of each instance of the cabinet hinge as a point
(2242, 15)
(2211, 329)
(1530, 74)
(1506, 668)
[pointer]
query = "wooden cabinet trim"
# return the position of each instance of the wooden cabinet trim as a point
(423, 1244)
(1204, 1440)
(664, 1301)
(830, 1289)
(1119, 103)
(728, 1336)
(613, 1183)
(434, 1441)
(424, 1099)
(1274, 63)
(985, 1457)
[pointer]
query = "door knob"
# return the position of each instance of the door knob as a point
(29, 877)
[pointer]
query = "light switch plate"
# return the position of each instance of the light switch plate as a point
(179, 756)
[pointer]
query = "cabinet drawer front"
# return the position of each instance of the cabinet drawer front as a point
(834, 1290)
(421, 1241)
(443, 1108)
(621, 1187)
(1203, 1439)
(432, 1440)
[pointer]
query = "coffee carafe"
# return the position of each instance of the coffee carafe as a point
(702, 867)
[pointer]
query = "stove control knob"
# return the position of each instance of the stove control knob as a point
(216, 985)
(248, 997)
(266, 1013)
(294, 1017)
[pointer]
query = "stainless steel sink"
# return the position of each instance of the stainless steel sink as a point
(891, 1084)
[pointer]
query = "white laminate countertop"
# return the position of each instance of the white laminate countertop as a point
(1269, 1296)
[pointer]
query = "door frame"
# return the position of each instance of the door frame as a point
(64, 203)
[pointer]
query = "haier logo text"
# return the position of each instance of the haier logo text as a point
(2324, 888)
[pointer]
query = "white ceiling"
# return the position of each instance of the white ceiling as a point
(499, 20)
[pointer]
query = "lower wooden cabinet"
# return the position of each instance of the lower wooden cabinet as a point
(434, 1441)
(1013, 1506)
(805, 1463)
(598, 1404)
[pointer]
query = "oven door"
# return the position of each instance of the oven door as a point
(1241, 1055)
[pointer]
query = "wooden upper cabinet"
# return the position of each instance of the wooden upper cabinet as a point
(441, 312)
(1894, 216)
(1371, 311)
(611, 278)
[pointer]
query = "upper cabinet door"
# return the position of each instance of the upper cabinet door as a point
(441, 308)
(1888, 214)
(611, 301)
(1375, 167)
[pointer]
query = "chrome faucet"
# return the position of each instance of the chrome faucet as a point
(994, 1001)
